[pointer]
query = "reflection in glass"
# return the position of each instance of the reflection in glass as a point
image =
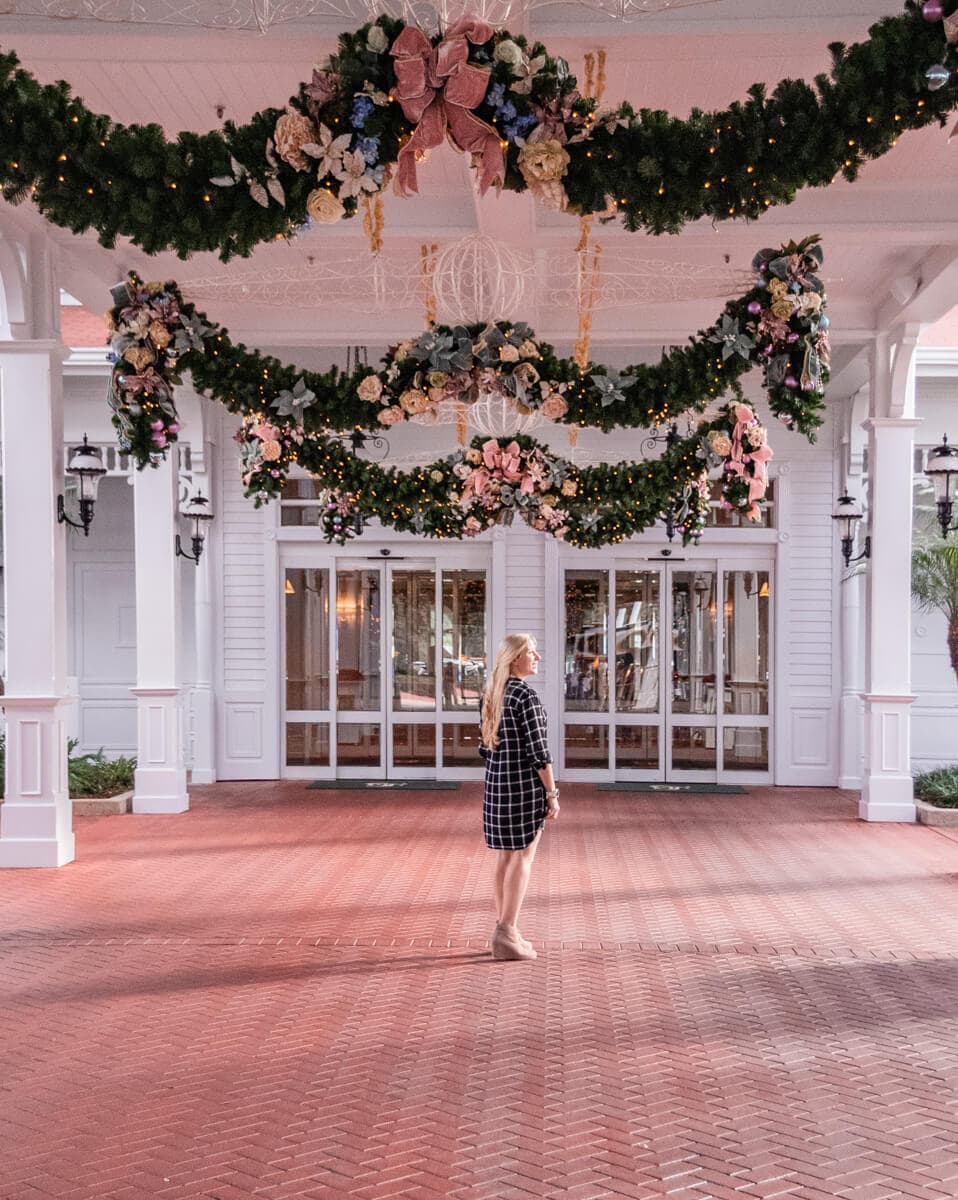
(693, 641)
(637, 641)
(586, 641)
(357, 640)
(414, 641)
(744, 749)
(357, 745)
(733, 518)
(307, 639)
(746, 613)
(693, 748)
(637, 747)
(414, 745)
(460, 746)
(587, 746)
(307, 744)
(300, 492)
(463, 639)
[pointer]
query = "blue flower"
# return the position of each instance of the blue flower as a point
(362, 107)
(506, 111)
(368, 147)
(519, 127)
(496, 95)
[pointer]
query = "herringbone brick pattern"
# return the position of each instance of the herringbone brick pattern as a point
(287, 994)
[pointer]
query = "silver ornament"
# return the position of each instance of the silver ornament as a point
(937, 76)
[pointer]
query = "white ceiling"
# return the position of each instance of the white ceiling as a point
(900, 213)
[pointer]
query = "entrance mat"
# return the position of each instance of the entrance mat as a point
(693, 789)
(391, 785)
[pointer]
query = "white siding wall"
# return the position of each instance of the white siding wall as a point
(807, 633)
(248, 722)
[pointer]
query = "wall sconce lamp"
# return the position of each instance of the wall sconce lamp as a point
(86, 463)
(197, 509)
(848, 512)
(942, 469)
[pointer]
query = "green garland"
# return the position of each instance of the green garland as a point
(287, 415)
(230, 190)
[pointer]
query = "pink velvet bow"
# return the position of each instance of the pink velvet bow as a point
(758, 480)
(437, 88)
(503, 459)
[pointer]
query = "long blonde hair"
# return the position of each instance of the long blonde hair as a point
(494, 696)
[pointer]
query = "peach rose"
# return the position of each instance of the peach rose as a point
(414, 401)
(272, 451)
(370, 389)
(324, 207)
(543, 162)
(554, 407)
(390, 416)
(292, 132)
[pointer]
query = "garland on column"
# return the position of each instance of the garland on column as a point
(373, 108)
(288, 416)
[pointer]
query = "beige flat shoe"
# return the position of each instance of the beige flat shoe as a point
(511, 949)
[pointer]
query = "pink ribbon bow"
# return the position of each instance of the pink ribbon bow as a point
(504, 459)
(437, 87)
(758, 479)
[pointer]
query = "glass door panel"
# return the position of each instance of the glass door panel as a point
(586, 641)
(358, 641)
(307, 639)
(413, 640)
(746, 614)
(463, 639)
(637, 641)
(693, 641)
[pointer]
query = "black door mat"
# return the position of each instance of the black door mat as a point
(687, 789)
(386, 785)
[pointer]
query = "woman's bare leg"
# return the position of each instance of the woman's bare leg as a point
(502, 861)
(518, 868)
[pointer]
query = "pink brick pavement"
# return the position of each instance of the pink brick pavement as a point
(287, 993)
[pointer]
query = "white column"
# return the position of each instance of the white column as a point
(887, 792)
(36, 817)
(160, 782)
(853, 684)
(204, 760)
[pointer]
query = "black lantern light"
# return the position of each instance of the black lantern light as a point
(86, 463)
(848, 512)
(942, 469)
(197, 509)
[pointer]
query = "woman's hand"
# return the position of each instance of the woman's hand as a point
(552, 800)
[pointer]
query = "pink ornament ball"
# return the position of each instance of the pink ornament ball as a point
(159, 440)
(791, 381)
(755, 307)
(174, 428)
(932, 10)
(156, 426)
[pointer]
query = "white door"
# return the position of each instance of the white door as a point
(666, 672)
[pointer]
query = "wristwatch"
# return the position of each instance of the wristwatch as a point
(552, 794)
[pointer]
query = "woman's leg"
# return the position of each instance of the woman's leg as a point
(502, 861)
(518, 867)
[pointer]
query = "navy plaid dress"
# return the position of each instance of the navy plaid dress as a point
(514, 803)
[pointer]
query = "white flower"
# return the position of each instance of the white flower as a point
(352, 172)
(509, 52)
(376, 39)
(329, 151)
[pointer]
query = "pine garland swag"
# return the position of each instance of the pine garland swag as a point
(288, 415)
(230, 190)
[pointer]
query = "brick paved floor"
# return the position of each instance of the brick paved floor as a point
(287, 994)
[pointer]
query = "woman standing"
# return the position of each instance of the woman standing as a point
(520, 791)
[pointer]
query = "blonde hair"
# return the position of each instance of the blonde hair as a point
(493, 697)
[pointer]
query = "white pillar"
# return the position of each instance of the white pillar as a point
(36, 817)
(887, 792)
(160, 782)
(853, 684)
(203, 768)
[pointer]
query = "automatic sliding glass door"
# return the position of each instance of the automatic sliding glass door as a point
(666, 671)
(385, 662)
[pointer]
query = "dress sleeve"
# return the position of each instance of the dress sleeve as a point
(534, 729)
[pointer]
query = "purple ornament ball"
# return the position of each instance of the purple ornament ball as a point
(755, 308)
(932, 10)
(791, 381)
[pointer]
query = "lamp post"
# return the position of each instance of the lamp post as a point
(848, 512)
(197, 509)
(86, 463)
(942, 469)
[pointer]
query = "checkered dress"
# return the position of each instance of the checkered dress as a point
(514, 804)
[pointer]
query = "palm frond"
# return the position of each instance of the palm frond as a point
(934, 579)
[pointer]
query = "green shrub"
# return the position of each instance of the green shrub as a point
(88, 774)
(938, 787)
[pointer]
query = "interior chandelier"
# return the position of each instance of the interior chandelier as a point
(261, 15)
